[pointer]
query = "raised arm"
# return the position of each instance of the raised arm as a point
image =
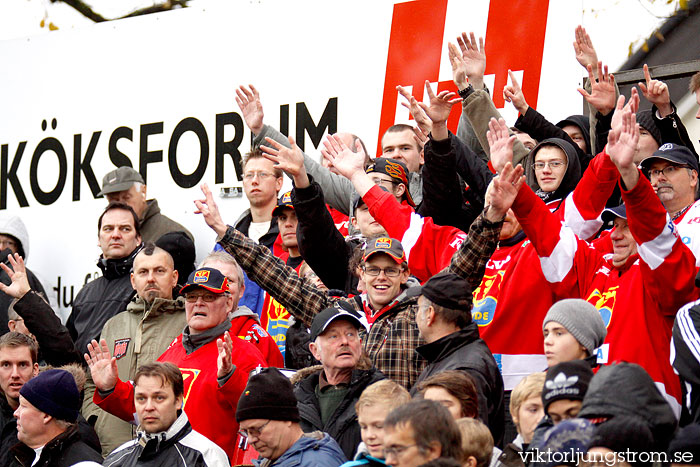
(57, 347)
(337, 189)
(299, 296)
(477, 106)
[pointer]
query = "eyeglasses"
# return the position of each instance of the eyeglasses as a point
(261, 175)
(551, 164)
(253, 431)
(666, 171)
(375, 271)
(379, 181)
(397, 450)
(207, 297)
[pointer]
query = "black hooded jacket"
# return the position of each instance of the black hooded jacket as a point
(571, 176)
(626, 389)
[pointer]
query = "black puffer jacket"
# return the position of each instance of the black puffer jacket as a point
(342, 426)
(178, 446)
(101, 299)
(626, 389)
(64, 450)
(465, 350)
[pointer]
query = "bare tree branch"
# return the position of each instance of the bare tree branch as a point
(86, 10)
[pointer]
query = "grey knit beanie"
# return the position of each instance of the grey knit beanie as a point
(581, 319)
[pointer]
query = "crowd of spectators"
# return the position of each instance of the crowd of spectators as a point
(494, 297)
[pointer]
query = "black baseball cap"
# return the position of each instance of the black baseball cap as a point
(386, 245)
(446, 289)
(673, 153)
(609, 214)
(341, 310)
(395, 169)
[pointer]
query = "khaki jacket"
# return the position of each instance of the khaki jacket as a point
(136, 337)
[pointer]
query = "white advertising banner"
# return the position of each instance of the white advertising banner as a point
(157, 93)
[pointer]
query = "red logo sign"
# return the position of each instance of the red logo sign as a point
(515, 33)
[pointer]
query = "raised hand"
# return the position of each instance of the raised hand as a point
(290, 160)
(459, 66)
(419, 115)
(345, 161)
(602, 96)
(632, 106)
(656, 92)
(224, 362)
(18, 275)
(210, 211)
(103, 367)
(500, 144)
(514, 94)
(474, 58)
(248, 101)
(503, 190)
(440, 105)
(583, 46)
(622, 145)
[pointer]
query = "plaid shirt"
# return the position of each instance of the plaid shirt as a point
(391, 341)
(469, 262)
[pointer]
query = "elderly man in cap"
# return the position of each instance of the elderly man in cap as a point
(126, 185)
(453, 343)
(327, 397)
(391, 335)
(269, 419)
(46, 423)
(673, 173)
(214, 366)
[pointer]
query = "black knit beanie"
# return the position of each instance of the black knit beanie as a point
(55, 393)
(268, 395)
(566, 380)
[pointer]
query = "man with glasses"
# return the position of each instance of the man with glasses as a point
(453, 343)
(215, 367)
(390, 335)
(269, 420)
(165, 436)
(673, 173)
(418, 432)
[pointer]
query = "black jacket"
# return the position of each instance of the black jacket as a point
(342, 426)
(178, 446)
(465, 350)
(101, 299)
(8, 433)
(56, 346)
(64, 450)
(448, 164)
(626, 389)
(323, 247)
(672, 129)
